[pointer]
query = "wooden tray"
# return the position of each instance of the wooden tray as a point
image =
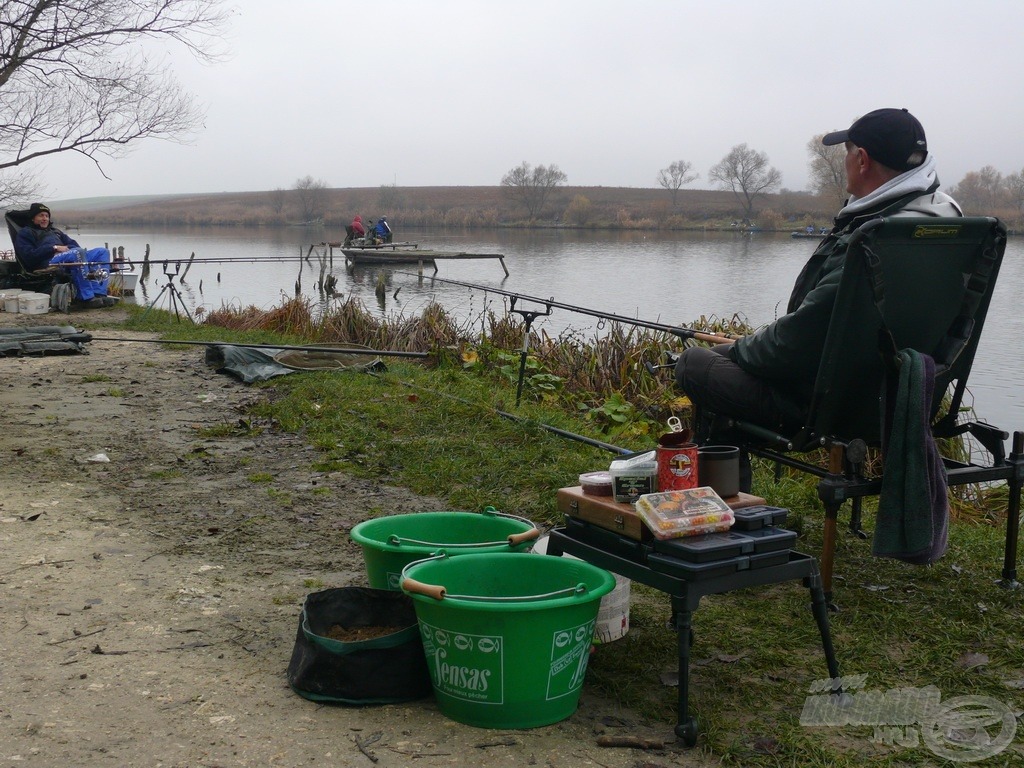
(605, 512)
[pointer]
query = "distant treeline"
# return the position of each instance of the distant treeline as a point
(575, 207)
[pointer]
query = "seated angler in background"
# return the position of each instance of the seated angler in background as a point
(40, 244)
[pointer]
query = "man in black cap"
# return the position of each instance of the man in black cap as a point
(767, 378)
(41, 244)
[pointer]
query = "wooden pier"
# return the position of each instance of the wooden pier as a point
(405, 253)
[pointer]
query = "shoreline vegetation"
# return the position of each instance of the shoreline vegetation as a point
(582, 208)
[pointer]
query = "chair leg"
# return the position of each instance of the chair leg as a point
(856, 517)
(828, 551)
(1014, 486)
(819, 607)
(827, 496)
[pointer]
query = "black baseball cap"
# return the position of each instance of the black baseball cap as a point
(893, 137)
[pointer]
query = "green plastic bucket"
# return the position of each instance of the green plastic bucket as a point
(391, 543)
(507, 639)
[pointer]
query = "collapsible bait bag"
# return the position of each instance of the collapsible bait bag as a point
(358, 646)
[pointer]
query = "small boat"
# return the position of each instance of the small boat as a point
(809, 235)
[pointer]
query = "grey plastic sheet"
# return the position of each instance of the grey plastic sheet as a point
(40, 340)
(255, 365)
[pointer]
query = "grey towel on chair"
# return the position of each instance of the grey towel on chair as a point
(913, 508)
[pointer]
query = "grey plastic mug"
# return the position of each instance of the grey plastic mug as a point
(718, 466)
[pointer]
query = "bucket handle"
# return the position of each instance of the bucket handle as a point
(419, 588)
(439, 592)
(520, 538)
(513, 540)
(516, 538)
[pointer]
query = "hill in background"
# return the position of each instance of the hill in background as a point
(584, 207)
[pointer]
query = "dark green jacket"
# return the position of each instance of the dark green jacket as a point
(787, 351)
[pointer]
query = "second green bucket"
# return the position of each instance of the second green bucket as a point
(391, 543)
(507, 638)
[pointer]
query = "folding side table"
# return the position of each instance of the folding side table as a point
(687, 582)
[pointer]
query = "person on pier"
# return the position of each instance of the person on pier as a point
(354, 230)
(383, 231)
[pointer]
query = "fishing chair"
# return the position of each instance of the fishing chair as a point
(908, 282)
(40, 280)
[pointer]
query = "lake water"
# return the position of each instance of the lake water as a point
(672, 278)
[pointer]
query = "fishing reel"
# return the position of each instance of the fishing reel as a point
(671, 358)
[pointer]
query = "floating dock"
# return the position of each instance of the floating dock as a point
(406, 253)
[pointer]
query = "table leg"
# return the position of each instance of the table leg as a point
(686, 727)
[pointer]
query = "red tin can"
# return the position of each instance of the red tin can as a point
(677, 467)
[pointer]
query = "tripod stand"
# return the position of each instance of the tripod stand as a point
(175, 301)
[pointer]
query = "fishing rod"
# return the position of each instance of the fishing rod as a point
(520, 420)
(81, 336)
(227, 260)
(680, 331)
(308, 257)
(78, 336)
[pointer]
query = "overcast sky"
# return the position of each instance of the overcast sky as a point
(454, 92)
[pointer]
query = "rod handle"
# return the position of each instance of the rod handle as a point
(419, 588)
(519, 538)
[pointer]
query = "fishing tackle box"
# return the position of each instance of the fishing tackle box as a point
(669, 562)
(758, 516)
(718, 546)
(674, 566)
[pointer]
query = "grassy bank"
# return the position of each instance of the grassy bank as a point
(435, 428)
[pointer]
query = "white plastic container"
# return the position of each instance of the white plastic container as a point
(633, 477)
(124, 281)
(11, 301)
(613, 613)
(33, 303)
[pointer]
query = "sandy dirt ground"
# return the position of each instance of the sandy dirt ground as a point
(151, 599)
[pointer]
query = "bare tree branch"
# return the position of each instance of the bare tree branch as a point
(981, 191)
(828, 170)
(17, 186)
(1015, 189)
(75, 75)
(531, 186)
(746, 172)
(675, 176)
(312, 198)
